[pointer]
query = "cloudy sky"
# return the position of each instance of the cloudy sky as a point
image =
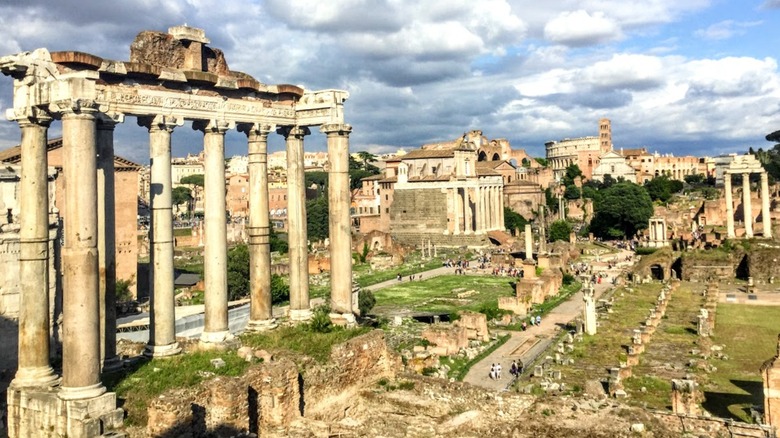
(677, 76)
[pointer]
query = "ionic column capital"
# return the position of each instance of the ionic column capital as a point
(255, 130)
(293, 131)
(340, 129)
(160, 123)
(213, 126)
(39, 117)
(68, 107)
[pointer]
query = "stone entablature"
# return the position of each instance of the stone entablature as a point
(746, 165)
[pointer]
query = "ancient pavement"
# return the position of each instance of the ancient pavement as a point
(528, 344)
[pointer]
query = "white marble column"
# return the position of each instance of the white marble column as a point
(216, 330)
(107, 241)
(80, 296)
(529, 243)
(162, 327)
(339, 221)
(34, 369)
(493, 208)
(296, 223)
(730, 233)
(456, 211)
(766, 216)
(747, 208)
(259, 229)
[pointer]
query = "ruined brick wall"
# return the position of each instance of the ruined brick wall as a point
(710, 426)
(126, 218)
(419, 210)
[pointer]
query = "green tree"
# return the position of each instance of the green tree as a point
(542, 161)
(196, 180)
(319, 178)
(695, 179)
(513, 220)
(572, 192)
(621, 211)
(238, 272)
(280, 290)
(559, 230)
(181, 195)
(317, 225)
(572, 171)
(661, 188)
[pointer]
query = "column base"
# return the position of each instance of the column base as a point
(35, 377)
(343, 319)
(43, 413)
(300, 315)
(216, 340)
(82, 392)
(112, 364)
(261, 325)
(157, 351)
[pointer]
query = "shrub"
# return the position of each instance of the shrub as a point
(568, 279)
(491, 310)
(366, 301)
(320, 320)
(122, 290)
(645, 250)
(280, 290)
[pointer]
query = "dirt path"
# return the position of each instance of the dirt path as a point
(524, 346)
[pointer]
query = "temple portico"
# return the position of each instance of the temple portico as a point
(746, 165)
(90, 95)
(658, 233)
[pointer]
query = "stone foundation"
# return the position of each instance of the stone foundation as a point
(41, 413)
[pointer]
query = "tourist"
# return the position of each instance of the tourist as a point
(493, 372)
(525, 326)
(498, 371)
(538, 319)
(513, 369)
(399, 277)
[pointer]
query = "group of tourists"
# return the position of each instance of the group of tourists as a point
(495, 370)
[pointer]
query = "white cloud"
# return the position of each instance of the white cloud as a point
(725, 29)
(580, 28)
(624, 71)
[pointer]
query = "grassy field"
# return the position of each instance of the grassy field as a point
(436, 294)
(749, 336)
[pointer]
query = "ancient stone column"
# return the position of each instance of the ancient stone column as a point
(766, 216)
(489, 216)
(107, 242)
(467, 215)
(339, 221)
(216, 330)
(478, 210)
(455, 210)
(529, 243)
(729, 206)
(34, 369)
(80, 295)
(746, 206)
(162, 327)
(260, 307)
(296, 223)
(589, 311)
(500, 195)
(561, 208)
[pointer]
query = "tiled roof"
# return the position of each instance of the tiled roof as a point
(13, 155)
(429, 153)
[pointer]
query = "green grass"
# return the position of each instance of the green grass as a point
(749, 336)
(179, 232)
(365, 276)
(435, 294)
(140, 385)
(299, 339)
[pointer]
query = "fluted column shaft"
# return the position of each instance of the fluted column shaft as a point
(729, 206)
(216, 328)
(338, 217)
(162, 333)
(34, 368)
(81, 328)
(260, 306)
(106, 242)
(766, 216)
(296, 222)
(747, 208)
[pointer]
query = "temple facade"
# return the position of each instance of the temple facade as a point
(170, 78)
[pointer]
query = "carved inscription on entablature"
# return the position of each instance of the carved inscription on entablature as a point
(194, 103)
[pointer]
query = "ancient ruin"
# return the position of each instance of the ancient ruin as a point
(170, 78)
(746, 165)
